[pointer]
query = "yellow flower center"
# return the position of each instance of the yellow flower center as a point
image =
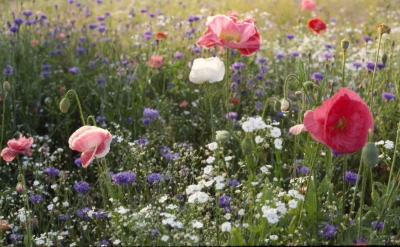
(229, 36)
(341, 124)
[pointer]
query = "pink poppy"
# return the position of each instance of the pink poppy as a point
(232, 13)
(226, 31)
(297, 129)
(249, 19)
(155, 61)
(92, 141)
(317, 25)
(308, 5)
(20, 146)
(341, 122)
(183, 104)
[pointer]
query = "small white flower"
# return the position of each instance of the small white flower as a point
(190, 189)
(55, 199)
(163, 199)
(227, 216)
(254, 183)
(273, 237)
(202, 197)
(219, 186)
(275, 132)
(208, 169)
(165, 238)
(241, 212)
(264, 169)
(122, 210)
(212, 146)
(248, 126)
(50, 207)
(258, 139)
(228, 158)
(36, 183)
(210, 160)
(209, 183)
(278, 143)
(197, 224)
(171, 206)
(379, 143)
(192, 198)
(389, 144)
(65, 204)
(226, 227)
(219, 179)
(194, 238)
(292, 203)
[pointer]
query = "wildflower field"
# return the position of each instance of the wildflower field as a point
(169, 123)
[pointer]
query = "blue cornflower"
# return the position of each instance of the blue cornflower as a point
(14, 29)
(237, 66)
(154, 232)
(92, 26)
(327, 55)
(317, 77)
(233, 182)
(303, 170)
(142, 141)
(262, 60)
(231, 115)
(196, 50)
(147, 112)
(178, 55)
(279, 55)
(27, 12)
(46, 73)
(224, 201)
(103, 243)
(170, 156)
(380, 65)
(328, 46)
(52, 171)
(81, 187)
(259, 92)
(73, 70)
(388, 96)
(146, 121)
(100, 215)
(8, 70)
(366, 38)
(78, 161)
(63, 217)
(101, 29)
(351, 177)
(46, 66)
(328, 231)
(357, 64)
(100, 119)
(80, 50)
(380, 225)
(154, 178)
(18, 21)
(129, 120)
(123, 178)
(258, 105)
(165, 149)
(101, 79)
(82, 213)
(295, 54)
(36, 198)
(289, 36)
(335, 153)
(370, 66)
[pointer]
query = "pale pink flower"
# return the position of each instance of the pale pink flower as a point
(92, 141)
(226, 31)
(20, 146)
(249, 19)
(155, 61)
(295, 130)
(308, 5)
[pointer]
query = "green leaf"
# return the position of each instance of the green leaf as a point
(236, 237)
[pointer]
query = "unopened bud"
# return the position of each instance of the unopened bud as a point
(309, 84)
(285, 104)
(383, 28)
(345, 44)
(6, 86)
(19, 188)
(64, 105)
(370, 154)
(223, 136)
(384, 58)
(247, 146)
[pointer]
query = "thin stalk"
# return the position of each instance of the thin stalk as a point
(344, 182)
(373, 74)
(227, 88)
(364, 182)
(2, 120)
(79, 104)
(394, 157)
(343, 63)
(211, 111)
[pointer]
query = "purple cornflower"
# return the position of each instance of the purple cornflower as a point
(362, 240)
(231, 115)
(262, 69)
(103, 243)
(46, 66)
(327, 55)
(27, 12)
(279, 55)
(8, 70)
(262, 60)
(18, 21)
(101, 79)
(82, 213)
(78, 161)
(100, 119)
(233, 86)
(154, 232)
(36, 198)
(170, 156)
(146, 121)
(237, 66)
(233, 182)
(328, 231)
(101, 18)
(289, 36)
(295, 54)
(388, 96)
(104, 60)
(46, 73)
(258, 105)
(51, 171)
(123, 178)
(129, 120)
(63, 217)
(259, 92)
(73, 70)
(380, 225)
(366, 38)
(224, 201)
(351, 177)
(165, 149)
(147, 112)
(142, 141)
(196, 50)
(154, 178)
(100, 215)
(81, 187)
(190, 18)
(303, 170)
(101, 29)
(328, 46)
(317, 77)
(380, 65)
(92, 26)
(14, 238)
(357, 64)
(259, 76)
(335, 153)
(80, 50)
(178, 55)
(370, 66)
(13, 29)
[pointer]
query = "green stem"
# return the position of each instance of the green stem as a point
(343, 63)
(355, 190)
(364, 182)
(79, 104)
(28, 220)
(2, 120)
(344, 182)
(93, 120)
(373, 74)
(227, 88)
(211, 111)
(394, 157)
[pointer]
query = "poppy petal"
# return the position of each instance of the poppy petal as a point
(87, 157)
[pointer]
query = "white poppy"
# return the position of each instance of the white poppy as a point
(210, 69)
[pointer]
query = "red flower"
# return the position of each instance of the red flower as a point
(226, 31)
(234, 100)
(20, 146)
(161, 35)
(308, 5)
(317, 25)
(342, 122)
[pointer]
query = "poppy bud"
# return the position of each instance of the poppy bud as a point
(370, 154)
(309, 84)
(247, 146)
(345, 44)
(285, 104)
(223, 136)
(384, 58)
(383, 28)
(4, 225)
(19, 188)
(6, 86)
(64, 105)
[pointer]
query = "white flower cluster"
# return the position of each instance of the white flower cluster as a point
(253, 124)
(265, 169)
(170, 219)
(387, 144)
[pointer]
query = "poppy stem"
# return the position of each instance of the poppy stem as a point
(227, 88)
(343, 63)
(209, 98)
(355, 190)
(92, 118)
(394, 157)
(373, 74)
(364, 182)
(344, 182)
(79, 104)
(3, 117)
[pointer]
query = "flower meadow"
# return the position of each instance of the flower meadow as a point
(169, 123)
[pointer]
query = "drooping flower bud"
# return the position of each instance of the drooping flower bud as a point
(19, 188)
(222, 136)
(384, 58)
(6, 86)
(370, 154)
(345, 44)
(247, 146)
(285, 104)
(64, 105)
(383, 28)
